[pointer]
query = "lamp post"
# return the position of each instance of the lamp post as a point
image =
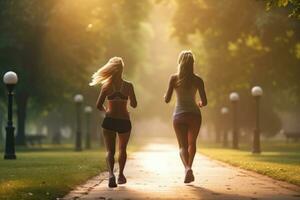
(256, 92)
(234, 98)
(88, 110)
(10, 79)
(224, 112)
(78, 99)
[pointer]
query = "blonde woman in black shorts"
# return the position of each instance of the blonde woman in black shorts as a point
(118, 92)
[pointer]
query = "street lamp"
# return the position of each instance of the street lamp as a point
(88, 110)
(10, 79)
(224, 112)
(256, 92)
(78, 99)
(234, 98)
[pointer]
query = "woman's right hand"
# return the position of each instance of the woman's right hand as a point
(200, 104)
(102, 109)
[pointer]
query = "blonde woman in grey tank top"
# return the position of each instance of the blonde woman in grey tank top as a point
(187, 116)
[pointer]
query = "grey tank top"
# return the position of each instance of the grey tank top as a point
(186, 100)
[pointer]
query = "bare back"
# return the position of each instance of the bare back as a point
(186, 94)
(117, 95)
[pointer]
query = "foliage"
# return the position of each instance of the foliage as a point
(292, 5)
(259, 48)
(55, 45)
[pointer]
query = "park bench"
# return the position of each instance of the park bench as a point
(292, 135)
(35, 139)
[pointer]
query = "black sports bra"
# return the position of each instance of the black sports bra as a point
(117, 95)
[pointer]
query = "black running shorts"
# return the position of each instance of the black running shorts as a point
(117, 125)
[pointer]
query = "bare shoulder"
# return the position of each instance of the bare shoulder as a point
(128, 84)
(198, 78)
(105, 89)
(173, 77)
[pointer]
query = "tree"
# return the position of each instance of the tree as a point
(242, 46)
(25, 24)
(53, 44)
(292, 5)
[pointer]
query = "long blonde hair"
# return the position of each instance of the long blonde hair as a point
(106, 73)
(185, 67)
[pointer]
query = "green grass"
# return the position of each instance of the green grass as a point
(47, 173)
(278, 160)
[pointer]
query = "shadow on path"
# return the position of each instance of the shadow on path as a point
(157, 173)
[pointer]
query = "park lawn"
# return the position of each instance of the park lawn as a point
(47, 174)
(278, 160)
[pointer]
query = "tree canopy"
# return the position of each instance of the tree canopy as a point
(243, 46)
(292, 5)
(55, 45)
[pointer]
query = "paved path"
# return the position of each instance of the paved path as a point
(156, 173)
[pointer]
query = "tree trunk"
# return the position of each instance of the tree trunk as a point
(218, 136)
(1, 126)
(218, 133)
(39, 128)
(21, 99)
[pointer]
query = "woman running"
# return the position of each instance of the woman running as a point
(187, 116)
(117, 119)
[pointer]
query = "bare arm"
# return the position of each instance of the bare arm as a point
(202, 93)
(101, 100)
(132, 97)
(169, 93)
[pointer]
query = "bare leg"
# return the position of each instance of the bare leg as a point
(181, 134)
(194, 123)
(110, 144)
(192, 147)
(123, 141)
(193, 132)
